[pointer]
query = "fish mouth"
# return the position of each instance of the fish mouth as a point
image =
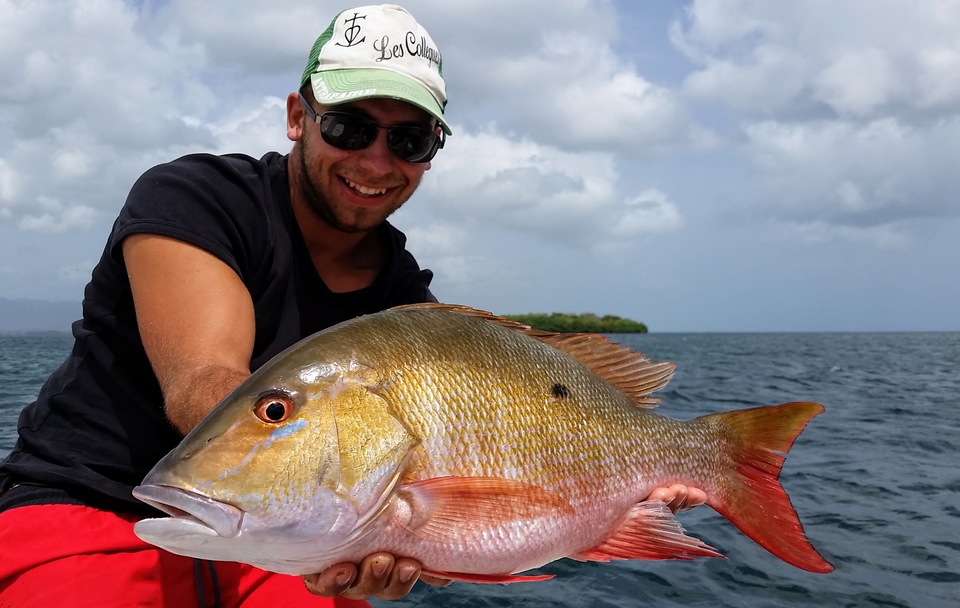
(192, 510)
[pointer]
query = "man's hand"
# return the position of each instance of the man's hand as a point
(679, 497)
(379, 575)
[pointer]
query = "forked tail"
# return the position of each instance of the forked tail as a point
(750, 495)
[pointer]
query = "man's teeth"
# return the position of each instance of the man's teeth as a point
(364, 190)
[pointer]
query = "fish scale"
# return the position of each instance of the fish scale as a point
(478, 446)
(476, 400)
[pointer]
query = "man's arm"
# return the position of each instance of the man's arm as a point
(196, 320)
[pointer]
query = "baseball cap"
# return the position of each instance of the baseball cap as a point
(377, 51)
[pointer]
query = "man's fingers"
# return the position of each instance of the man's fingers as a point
(373, 575)
(379, 575)
(435, 581)
(694, 498)
(679, 497)
(404, 576)
(331, 582)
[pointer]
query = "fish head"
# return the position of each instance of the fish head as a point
(286, 473)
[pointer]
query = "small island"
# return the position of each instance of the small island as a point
(586, 323)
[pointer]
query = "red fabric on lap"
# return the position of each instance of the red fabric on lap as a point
(72, 556)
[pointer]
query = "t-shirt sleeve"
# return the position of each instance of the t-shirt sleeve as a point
(414, 285)
(207, 201)
(409, 284)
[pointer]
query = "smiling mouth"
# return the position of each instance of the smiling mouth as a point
(364, 190)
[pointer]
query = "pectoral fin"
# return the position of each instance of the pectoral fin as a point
(444, 506)
(649, 532)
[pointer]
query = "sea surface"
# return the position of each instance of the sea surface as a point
(875, 479)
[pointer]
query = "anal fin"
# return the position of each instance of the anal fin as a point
(502, 579)
(650, 532)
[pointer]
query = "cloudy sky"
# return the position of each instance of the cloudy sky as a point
(742, 165)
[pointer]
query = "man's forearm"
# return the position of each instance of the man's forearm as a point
(187, 402)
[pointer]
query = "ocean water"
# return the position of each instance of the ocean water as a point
(875, 479)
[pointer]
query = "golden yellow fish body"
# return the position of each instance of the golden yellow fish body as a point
(480, 447)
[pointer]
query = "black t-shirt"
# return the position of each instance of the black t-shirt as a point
(98, 425)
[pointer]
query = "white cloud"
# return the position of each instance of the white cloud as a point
(72, 163)
(438, 238)
(85, 97)
(857, 57)
(9, 185)
(236, 33)
(820, 233)
(938, 85)
(252, 129)
(746, 84)
(859, 82)
(55, 218)
(850, 196)
(556, 196)
(883, 171)
(577, 93)
(649, 212)
(848, 110)
(446, 246)
(97, 92)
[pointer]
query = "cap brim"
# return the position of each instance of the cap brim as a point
(332, 87)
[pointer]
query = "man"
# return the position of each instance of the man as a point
(214, 265)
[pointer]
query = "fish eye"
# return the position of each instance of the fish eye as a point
(273, 408)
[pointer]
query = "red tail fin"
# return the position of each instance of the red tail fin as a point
(751, 496)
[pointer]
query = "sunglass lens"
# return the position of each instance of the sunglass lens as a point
(413, 144)
(347, 132)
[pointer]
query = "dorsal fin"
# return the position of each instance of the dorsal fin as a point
(628, 370)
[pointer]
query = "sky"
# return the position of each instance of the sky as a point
(742, 165)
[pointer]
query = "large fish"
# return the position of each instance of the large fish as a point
(478, 446)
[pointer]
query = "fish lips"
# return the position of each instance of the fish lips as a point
(190, 512)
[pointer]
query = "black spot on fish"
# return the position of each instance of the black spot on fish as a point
(560, 391)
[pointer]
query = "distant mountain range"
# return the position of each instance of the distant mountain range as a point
(37, 315)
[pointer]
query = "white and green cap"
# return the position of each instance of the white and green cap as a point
(377, 51)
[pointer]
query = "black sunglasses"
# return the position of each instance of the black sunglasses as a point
(351, 132)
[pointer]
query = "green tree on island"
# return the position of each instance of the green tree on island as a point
(586, 322)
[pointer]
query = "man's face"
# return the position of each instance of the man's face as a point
(356, 190)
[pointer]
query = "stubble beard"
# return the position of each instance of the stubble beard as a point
(320, 205)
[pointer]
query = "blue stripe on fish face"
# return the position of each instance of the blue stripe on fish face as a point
(282, 432)
(285, 431)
